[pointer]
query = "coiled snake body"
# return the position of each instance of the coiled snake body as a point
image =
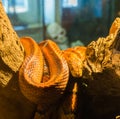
(44, 73)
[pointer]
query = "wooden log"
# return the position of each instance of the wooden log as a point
(101, 73)
(11, 50)
(13, 105)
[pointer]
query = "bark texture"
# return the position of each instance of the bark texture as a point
(11, 50)
(101, 74)
(13, 105)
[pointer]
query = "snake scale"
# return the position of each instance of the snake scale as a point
(44, 74)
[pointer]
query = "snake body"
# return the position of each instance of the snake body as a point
(75, 57)
(44, 74)
(56, 62)
(42, 59)
(30, 73)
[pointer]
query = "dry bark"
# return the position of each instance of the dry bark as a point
(11, 50)
(13, 105)
(101, 74)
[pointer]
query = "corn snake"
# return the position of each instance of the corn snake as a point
(33, 83)
(44, 74)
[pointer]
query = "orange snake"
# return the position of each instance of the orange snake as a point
(44, 74)
(42, 59)
(75, 57)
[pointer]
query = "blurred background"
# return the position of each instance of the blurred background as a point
(68, 22)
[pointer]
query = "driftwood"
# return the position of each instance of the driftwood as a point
(94, 95)
(11, 50)
(13, 105)
(102, 75)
